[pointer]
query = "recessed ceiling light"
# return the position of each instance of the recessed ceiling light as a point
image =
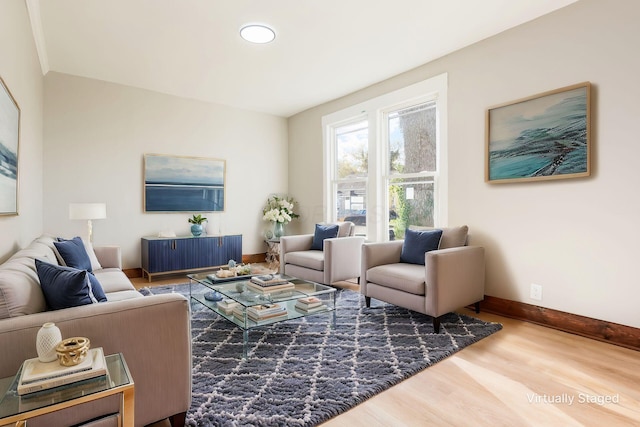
(256, 33)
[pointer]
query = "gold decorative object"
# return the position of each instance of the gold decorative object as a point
(72, 350)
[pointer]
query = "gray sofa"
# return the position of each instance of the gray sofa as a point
(152, 332)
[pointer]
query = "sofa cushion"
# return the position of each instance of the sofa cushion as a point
(402, 276)
(113, 280)
(417, 243)
(20, 292)
(123, 295)
(323, 232)
(308, 259)
(95, 264)
(73, 253)
(65, 287)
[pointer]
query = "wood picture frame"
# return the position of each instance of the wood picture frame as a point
(542, 137)
(184, 184)
(9, 150)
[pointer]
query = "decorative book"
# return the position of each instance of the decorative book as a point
(36, 376)
(310, 300)
(262, 313)
(272, 288)
(227, 305)
(265, 310)
(268, 280)
(315, 309)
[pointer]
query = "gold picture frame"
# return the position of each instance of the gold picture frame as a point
(542, 137)
(9, 150)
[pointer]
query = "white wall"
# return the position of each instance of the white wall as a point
(20, 70)
(97, 134)
(577, 238)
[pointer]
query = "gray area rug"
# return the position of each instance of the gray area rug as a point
(302, 372)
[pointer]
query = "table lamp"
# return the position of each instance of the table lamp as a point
(88, 211)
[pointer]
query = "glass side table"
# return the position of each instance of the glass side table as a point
(17, 410)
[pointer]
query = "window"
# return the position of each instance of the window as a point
(351, 162)
(385, 161)
(412, 165)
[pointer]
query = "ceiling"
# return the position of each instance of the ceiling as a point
(324, 49)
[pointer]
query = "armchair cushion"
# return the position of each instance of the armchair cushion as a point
(452, 237)
(308, 259)
(401, 276)
(417, 243)
(346, 228)
(323, 232)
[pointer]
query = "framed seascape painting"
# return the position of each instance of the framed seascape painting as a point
(183, 184)
(542, 137)
(9, 139)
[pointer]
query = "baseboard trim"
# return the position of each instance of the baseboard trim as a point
(613, 333)
(132, 273)
(253, 258)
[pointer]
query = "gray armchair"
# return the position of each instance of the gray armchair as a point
(452, 277)
(339, 260)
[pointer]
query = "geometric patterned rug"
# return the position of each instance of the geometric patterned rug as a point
(303, 372)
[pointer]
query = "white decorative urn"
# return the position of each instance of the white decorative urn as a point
(47, 339)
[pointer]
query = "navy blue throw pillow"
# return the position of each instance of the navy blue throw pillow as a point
(417, 243)
(65, 287)
(73, 253)
(323, 232)
(96, 288)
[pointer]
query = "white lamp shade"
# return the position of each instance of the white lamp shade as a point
(87, 210)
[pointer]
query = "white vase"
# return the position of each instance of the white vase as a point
(47, 339)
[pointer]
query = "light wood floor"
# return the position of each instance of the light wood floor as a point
(524, 375)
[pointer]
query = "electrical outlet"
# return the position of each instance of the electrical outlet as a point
(536, 292)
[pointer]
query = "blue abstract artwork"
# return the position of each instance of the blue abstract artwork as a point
(9, 138)
(183, 184)
(542, 137)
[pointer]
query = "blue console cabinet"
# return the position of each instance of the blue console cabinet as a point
(188, 254)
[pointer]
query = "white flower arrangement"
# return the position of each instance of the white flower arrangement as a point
(279, 209)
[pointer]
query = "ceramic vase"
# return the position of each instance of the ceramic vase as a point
(47, 339)
(278, 229)
(196, 230)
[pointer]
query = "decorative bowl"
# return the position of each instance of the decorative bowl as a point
(72, 350)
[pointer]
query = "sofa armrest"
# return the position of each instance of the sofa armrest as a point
(299, 242)
(454, 278)
(109, 256)
(342, 258)
(153, 333)
(380, 253)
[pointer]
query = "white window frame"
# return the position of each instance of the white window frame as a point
(374, 110)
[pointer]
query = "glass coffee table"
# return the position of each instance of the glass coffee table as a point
(239, 301)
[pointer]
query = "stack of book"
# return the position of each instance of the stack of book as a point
(269, 283)
(38, 376)
(227, 305)
(310, 304)
(262, 313)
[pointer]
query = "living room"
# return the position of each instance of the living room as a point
(84, 140)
